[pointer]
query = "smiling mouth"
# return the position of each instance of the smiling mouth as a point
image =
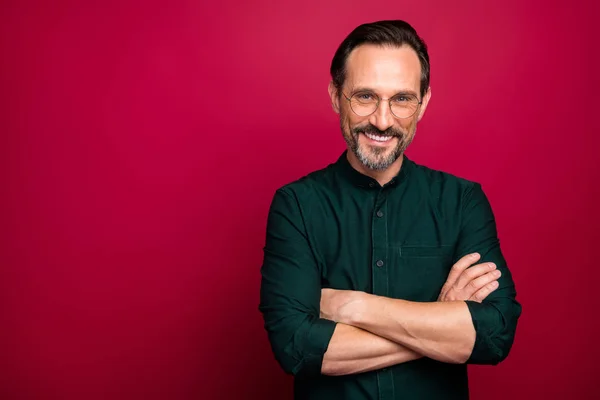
(378, 138)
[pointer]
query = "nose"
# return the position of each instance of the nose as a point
(382, 118)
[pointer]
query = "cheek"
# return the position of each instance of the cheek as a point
(408, 126)
(347, 121)
(352, 120)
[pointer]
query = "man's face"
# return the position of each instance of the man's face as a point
(378, 140)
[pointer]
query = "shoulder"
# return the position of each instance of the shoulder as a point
(299, 197)
(435, 176)
(304, 187)
(445, 189)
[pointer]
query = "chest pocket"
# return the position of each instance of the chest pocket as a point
(421, 271)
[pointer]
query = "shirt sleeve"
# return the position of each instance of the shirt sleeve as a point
(494, 319)
(290, 292)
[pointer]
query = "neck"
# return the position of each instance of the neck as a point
(381, 176)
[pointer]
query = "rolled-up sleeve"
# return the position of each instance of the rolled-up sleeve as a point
(495, 319)
(290, 291)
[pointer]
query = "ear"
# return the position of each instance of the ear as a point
(335, 98)
(424, 103)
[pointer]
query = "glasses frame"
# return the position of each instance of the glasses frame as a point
(379, 100)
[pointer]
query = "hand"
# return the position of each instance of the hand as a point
(475, 283)
(338, 305)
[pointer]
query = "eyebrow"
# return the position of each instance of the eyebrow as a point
(366, 89)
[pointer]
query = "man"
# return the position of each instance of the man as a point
(382, 279)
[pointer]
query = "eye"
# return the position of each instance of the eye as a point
(405, 99)
(364, 97)
(402, 99)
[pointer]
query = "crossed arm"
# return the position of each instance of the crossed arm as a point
(314, 331)
(370, 334)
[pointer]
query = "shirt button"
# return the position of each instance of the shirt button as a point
(379, 263)
(380, 213)
(371, 184)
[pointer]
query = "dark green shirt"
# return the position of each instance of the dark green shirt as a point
(337, 228)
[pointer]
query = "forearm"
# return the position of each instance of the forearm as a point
(441, 330)
(353, 350)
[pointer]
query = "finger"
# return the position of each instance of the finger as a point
(480, 282)
(459, 267)
(443, 293)
(484, 292)
(473, 273)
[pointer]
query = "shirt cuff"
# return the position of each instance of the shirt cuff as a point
(317, 340)
(486, 319)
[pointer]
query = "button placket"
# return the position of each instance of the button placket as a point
(379, 246)
(380, 272)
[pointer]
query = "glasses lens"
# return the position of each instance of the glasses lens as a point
(404, 106)
(363, 104)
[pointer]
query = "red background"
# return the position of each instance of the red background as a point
(142, 142)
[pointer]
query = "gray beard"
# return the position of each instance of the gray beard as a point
(373, 157)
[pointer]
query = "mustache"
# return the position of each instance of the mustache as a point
(369, 128)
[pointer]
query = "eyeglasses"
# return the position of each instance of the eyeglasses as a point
(401, 105)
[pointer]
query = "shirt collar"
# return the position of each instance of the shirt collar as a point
(361, 180)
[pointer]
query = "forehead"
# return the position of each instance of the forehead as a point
(385, 69)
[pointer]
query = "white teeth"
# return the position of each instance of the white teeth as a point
(378, 138)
